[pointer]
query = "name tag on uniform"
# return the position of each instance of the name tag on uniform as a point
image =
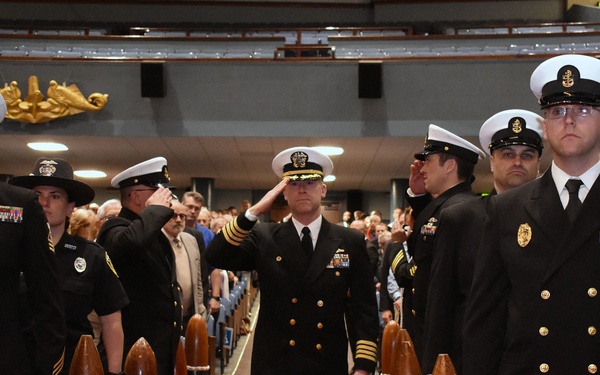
(10, 214)
(339, 260)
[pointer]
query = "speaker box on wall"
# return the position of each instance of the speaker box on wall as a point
(153, 79)
(369, 80)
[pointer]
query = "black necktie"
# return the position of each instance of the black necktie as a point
(307, 245)
(574, 203)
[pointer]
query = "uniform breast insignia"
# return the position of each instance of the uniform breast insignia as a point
(430, 228)
(110, 265)
(80, 264)
(524, 235)
(70, 247)
(10, 214)
(339, 261)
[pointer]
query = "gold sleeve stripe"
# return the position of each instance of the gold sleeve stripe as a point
(239, 230)
(58, 366)
(233, 233)
(397, 260)
(413, 269)
(367, 344)
(366, 350)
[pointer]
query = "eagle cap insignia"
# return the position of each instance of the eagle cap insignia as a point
(47, 168)
(516, 125)
(524, 235)
(567, 78)
(299, 159)
(166, 172)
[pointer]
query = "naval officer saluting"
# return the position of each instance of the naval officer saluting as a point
(300, 328)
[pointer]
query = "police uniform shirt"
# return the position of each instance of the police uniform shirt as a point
(88, 282)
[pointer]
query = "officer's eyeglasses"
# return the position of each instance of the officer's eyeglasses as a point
(181, 216)
(576, 110)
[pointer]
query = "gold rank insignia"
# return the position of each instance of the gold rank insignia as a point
(524, 235)
(110, 265)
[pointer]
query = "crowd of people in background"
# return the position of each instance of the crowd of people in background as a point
(506, 284)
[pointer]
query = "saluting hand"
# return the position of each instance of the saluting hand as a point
(161, 197)
(264, 205)
(415, 181)
(398, 232)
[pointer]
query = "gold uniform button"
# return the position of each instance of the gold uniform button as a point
(320, 325)
(545, 294)
(174, 324)
(413, 290)
(294, 300)
(592, 369)
(318, 346)
(544, 368)
(175, 303)
(179, 289)
(292, 342)
(278, 259)
(292, 322)
(337, 273)
(592, 292)
(543, 331)
(592, 331)
(320, 303)
(414, 313)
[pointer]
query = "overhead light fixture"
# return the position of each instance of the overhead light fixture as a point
(90, 173)
(47, 146)
(329, 150)
(329, 178)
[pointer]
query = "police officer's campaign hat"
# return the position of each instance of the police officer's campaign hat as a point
(567, 79)
(152, 173)
(59, 173)
(441, 140)
(302, 164)
(512, 127)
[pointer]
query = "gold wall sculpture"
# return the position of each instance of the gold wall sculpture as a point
(62, 101)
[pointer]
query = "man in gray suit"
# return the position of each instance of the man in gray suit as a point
(187, 264)
(534, 307)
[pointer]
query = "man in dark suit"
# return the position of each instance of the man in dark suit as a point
(27, 250)
(533, 306)
(443, 171)
(304, 292)
(144, 260)
(513, 139)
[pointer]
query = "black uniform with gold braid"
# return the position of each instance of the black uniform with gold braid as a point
(26, 247)
(301, 325)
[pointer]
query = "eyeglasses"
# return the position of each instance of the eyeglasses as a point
(133, 191)
(576, 110)
(181, 216)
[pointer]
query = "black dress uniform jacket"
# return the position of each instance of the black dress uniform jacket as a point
(420, 246)
(88, 283)
(534, 306)
(144, 261)
(452, 270)
(26, 247)
(301, 325)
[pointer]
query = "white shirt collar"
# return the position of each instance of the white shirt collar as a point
(588, 178)
(314, 227)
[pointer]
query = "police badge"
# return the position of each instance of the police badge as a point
(524, 235)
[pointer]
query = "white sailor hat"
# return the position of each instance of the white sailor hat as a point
(153, 173)
(2, 108)
(441, 140)
(302, 163)
(512, 127)
(567, 79)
